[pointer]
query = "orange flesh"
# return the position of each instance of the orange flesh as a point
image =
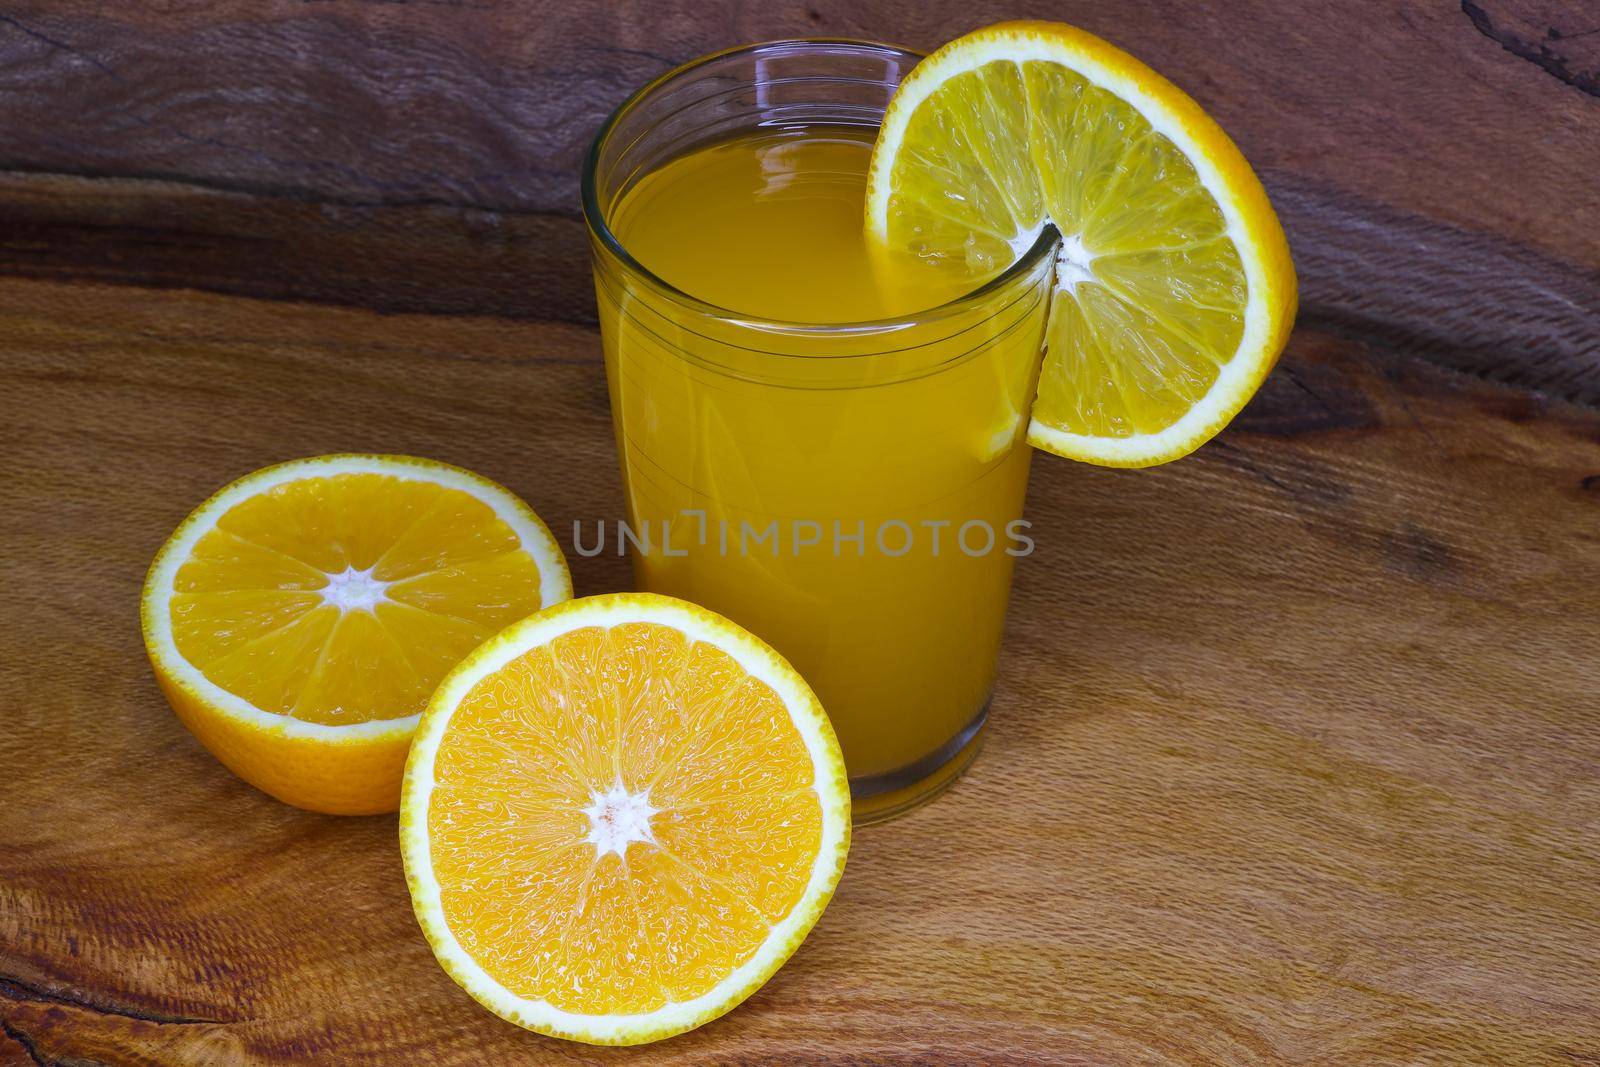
(249, 614)
(738, 826)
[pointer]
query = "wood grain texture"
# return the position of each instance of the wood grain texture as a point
(1434, 164)
(1296, 754)
(1295, 757)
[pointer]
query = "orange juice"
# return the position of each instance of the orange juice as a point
(824, 448)
(771, 225)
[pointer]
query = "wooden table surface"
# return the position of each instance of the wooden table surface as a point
(1296, 751)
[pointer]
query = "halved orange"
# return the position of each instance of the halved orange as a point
(299, 619)
(620, 817)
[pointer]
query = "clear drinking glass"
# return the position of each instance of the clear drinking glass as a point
(850, 492)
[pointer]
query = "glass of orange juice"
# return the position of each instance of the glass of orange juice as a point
(826, 448)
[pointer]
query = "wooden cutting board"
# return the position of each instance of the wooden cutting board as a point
(1296, 752)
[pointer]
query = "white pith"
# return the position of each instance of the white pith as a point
(1023, 241)
(617, 819)
(782, 939)
(354, 590)
(1074, 264)
(554, 583)
(1236, 375)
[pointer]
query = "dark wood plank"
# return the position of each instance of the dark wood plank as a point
(1436, 182)
(432, 258)
(491, 105)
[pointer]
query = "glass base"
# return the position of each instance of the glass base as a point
(884, 796)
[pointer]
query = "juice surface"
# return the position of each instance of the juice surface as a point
(772, 226)
(815, 486)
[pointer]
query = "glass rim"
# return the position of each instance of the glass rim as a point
(1042, 247)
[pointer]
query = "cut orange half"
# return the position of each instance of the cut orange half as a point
(1174, 289)
(299, 620)
(620, 817)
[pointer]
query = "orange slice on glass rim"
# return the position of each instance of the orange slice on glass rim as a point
(1174, 291)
